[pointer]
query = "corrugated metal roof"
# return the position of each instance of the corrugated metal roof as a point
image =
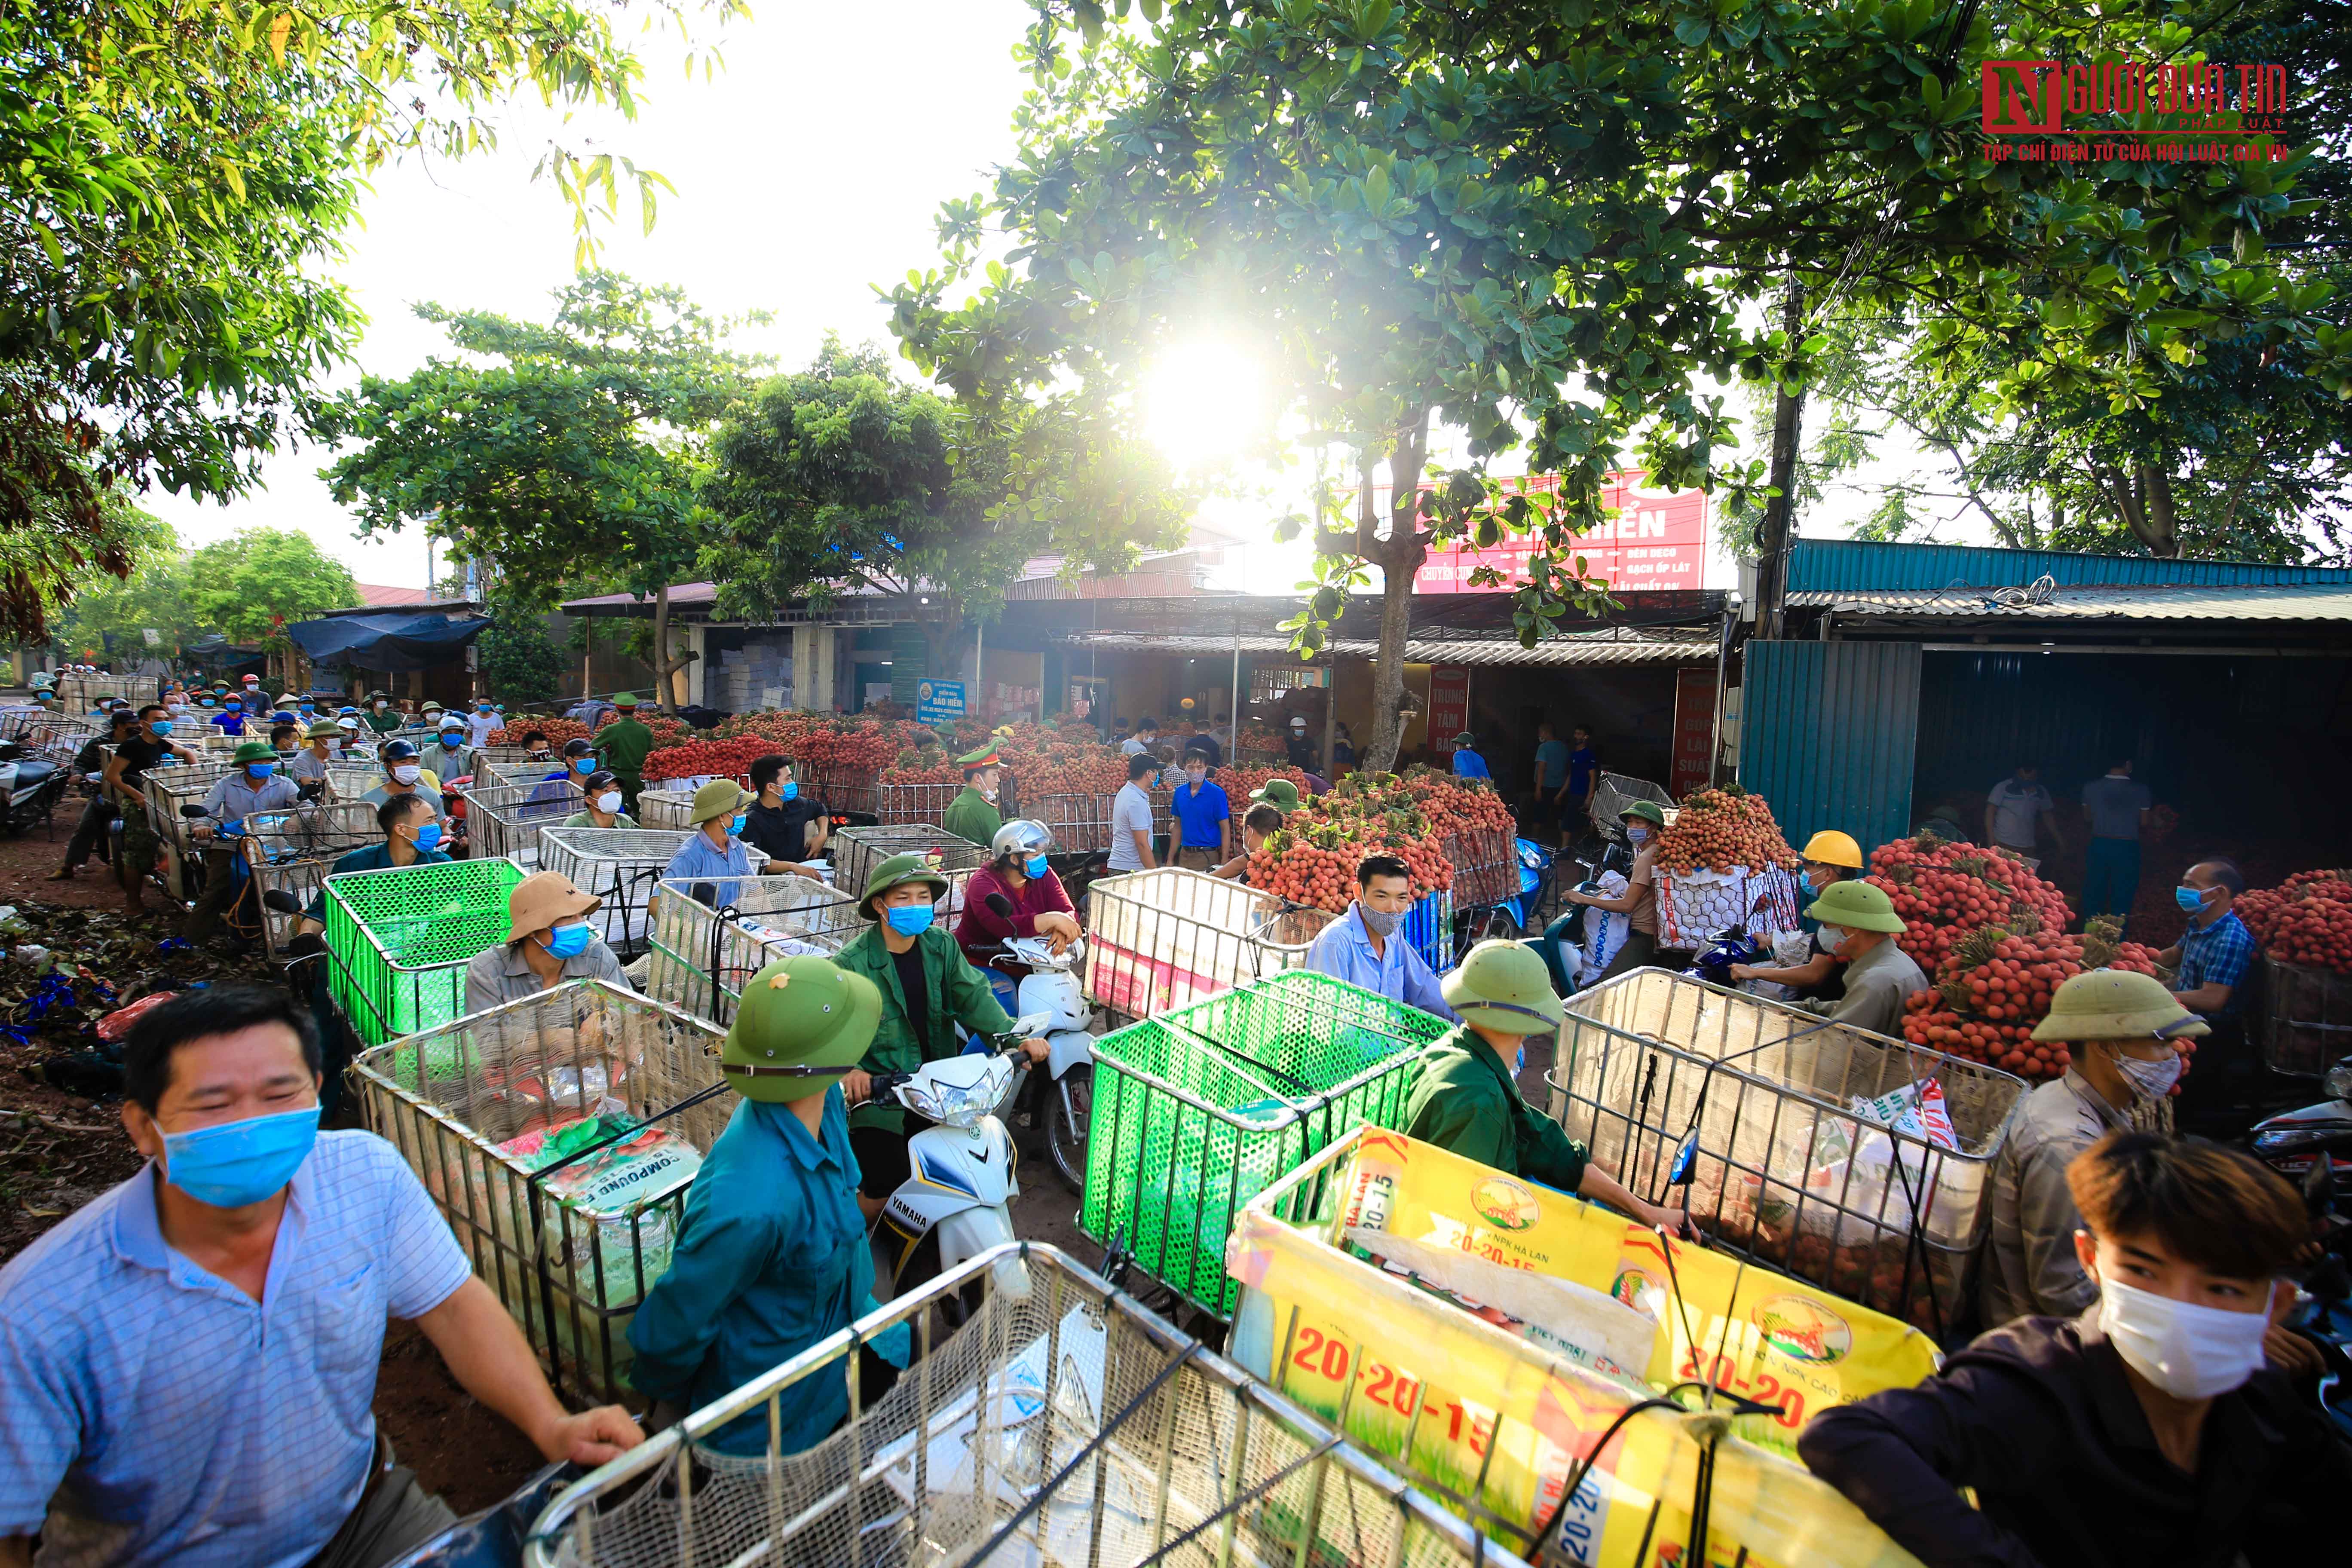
(2253, 602)
(1822, 565)
(1593, 649)
(1828, 735)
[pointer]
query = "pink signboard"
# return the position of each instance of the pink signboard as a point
(1657, 541)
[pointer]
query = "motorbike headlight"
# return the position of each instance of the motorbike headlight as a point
(2289, 1140)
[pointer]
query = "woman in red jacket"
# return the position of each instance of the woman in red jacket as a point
(1017, 871)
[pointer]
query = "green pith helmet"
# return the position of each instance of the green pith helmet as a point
(720, 797)
(324, 730)
(624, 700)
(897, 871)
(1279, 793)
(797, 1015)
(253, 752)
(1503, 986)
(1647, 810)
(1855, 906)
(2115, 1004)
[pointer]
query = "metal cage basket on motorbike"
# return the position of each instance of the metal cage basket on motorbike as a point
(665, 810)
(701, 957)
(1650, 1059)
(841, 789)
(1485, 867)
(1080, 824)
(1171, 936)
(398, 941)
(292, 851)
(622, 866)
(1062, 1423)
(168, 789)
(1612, 793)
(856, 851)
(1197, 1110)
(505, 820)
(570, 1270)
(912, 803)
(350, 777)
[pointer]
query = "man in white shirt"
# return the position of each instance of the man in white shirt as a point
(1146, 737)
(2012, 807)
(486, 721)
(1130, 817)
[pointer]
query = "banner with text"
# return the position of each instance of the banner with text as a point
(1657, 541)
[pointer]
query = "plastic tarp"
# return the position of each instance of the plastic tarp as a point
(392, 639)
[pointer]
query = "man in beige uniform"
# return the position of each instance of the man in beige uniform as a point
(2121, 1026)
(1859, 924)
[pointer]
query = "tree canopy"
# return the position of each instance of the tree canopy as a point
(248, 586)
(842, 476)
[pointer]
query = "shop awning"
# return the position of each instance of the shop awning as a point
(387, 639)
(2138, 602)
(1592, 648)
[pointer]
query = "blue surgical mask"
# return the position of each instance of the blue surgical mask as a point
(909, 919)
(789, 790)
(258, 772)
(1035, 866)
(161, 726)
(583, 764)
(240, 1163)
(2190, 899)
(307, 708)
(1637, 835)
(738, 828)
(569, 941)
(429, 835)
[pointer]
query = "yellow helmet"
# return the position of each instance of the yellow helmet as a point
(1832, 847)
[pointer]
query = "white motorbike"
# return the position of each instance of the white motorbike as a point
(953, 1204)
(1050, 990)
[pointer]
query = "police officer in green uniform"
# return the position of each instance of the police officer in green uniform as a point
(927, 987)
(625, 744)
(771, 1256)
(1465, 1096)
(973, 815)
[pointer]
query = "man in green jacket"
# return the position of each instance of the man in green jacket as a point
(928, 988)
(973, 815)
(625, 744)
(1466, 1099)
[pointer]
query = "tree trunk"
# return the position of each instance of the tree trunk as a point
(1398, 557)
(1773, 546)
(2155, 486)
(666, 668)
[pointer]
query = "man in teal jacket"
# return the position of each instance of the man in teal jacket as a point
(771, 1257)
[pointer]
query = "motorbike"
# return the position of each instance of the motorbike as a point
(1043, 984)
(30, 786)
(2294, 1141)
(1727, 947)
(953, 1203)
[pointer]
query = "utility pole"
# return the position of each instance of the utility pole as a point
(1788, 411)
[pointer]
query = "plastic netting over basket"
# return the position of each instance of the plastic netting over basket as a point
(398, 941)
(1063, 1424)
(700, 956)
(504, 819)
(290, 852)
(856, 851)
(1788, 1170)
(570, 1245)
(620, 866)
(1168, 937)
(1197, 1110)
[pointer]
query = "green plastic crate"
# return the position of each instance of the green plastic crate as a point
(1197, 1109)
(399, 940)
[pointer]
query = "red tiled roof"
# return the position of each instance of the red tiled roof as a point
(377, 597)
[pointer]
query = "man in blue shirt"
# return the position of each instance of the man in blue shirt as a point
(188, 1364)
(1584, 772)
(1364, 947)
(255, 786)
(1204, 819)
(2212, 958)
(712, 850)
(1467, 763)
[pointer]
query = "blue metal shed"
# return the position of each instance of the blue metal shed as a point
(1819, 565)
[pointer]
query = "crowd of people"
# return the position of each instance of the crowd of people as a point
(187, 1363)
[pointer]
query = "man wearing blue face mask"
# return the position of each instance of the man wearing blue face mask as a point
(785, 824)
(712, 851)
(550, 940)
(1639, 904)
(928, 989)
(412, 837)
(126, 777)
(187, 1365)
(255, 786)
(2213, 956)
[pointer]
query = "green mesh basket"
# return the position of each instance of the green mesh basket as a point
(1196, 1110)
(399, 940)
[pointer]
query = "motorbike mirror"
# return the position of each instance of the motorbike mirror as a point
(2319, 1186)
(999, 906)
(192, 811)
(704, 893)
(1686, 1160)
(2338, 1081)
(280, 899)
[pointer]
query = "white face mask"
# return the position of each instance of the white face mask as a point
(2188, 1351)
(1832, 938)
(2150, 1080)
(609, 803)
(381, 706)
(404, 773)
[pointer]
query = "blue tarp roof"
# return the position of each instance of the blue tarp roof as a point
(388, 639)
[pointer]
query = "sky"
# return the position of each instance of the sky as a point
(808, 170)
